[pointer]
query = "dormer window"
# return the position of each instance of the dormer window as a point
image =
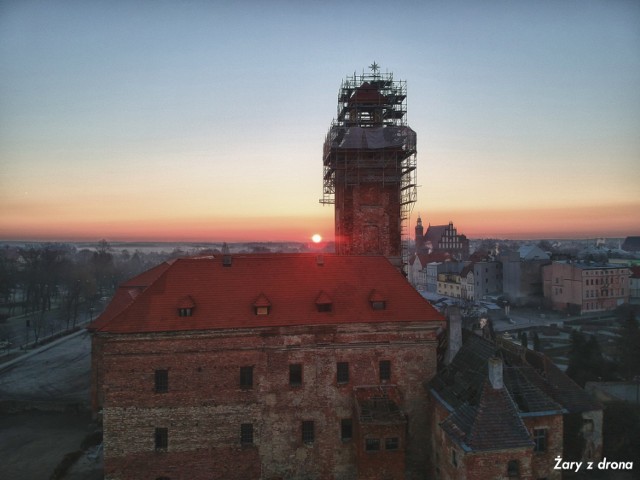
(262, 305)
(377, 300)
(324, 303)
(186, 306)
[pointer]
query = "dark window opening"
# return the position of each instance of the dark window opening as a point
(454, 458)
(307, 431)
(392, 443)
(185, 312)
(162, 381)
(246, 433)
(246, 377)
(540, 439)
(385, 370)
(162, 438)
(343, 372)
(324, 307)
(295, 374)
(346, 429)
(513, 469)
(372, 444)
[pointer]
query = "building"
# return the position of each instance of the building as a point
(634, 285)
(487, 276)
(369, 160)
(522, 274)
(500, 411)
(442, 239)
(580, 287)
(417, 273)
(265, 366)
(437, 266)
(449, 285)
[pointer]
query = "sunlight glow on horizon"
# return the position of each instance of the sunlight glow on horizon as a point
(527, 117)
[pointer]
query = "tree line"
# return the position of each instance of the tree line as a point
(36, 279)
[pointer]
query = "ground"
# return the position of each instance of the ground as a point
(44, 411)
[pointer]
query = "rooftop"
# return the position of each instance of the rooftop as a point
(257, 290)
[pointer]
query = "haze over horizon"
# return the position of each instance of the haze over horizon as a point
(204, 121)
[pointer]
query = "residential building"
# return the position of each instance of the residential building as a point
(435, 268)
(449, 285)
(487, 276)
(583, 287)
(522, 274)
(265, 366)
(634, 285)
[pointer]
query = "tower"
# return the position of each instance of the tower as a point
(419, 239)
(369, 159)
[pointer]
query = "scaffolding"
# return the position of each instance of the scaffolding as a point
(369, 141)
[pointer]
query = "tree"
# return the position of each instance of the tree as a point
(629, 347)
(586, 362)
(524, 340)
(536, 342)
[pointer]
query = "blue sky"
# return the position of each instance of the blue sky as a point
(205, 120)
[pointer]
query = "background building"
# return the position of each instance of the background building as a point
(585, 287)
(522, 274)
(442, 239)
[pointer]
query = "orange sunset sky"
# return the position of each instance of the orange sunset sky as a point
(205, 121)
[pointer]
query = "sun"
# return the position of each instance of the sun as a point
(316, 238)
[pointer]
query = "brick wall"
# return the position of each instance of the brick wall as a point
(205, 404)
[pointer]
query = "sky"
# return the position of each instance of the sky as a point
(204, 120)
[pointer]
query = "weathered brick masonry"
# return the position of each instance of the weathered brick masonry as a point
(302, 425)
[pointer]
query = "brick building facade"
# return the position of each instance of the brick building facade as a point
(499, 411)
(265, 366)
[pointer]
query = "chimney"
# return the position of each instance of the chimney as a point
(495, 373)
(226, 255)
(454, 327)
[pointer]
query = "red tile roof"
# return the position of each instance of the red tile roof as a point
(224, 296)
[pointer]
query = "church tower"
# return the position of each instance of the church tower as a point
(419, 239)
(369, 160)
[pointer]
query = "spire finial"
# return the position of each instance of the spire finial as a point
(374, 68)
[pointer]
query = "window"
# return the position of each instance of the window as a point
(454, 457)
(162, 381)
(162, 438)
(385, 370)
(246, 377)
(372, 444)
(391, 443)
(540, 439)
(295, 374)
(246, 434)
(346, 429)
(185, 312)
(262, 310)
(324, 307)
(379, 305)
(307, 432)
(513, 469)
(342, 372)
